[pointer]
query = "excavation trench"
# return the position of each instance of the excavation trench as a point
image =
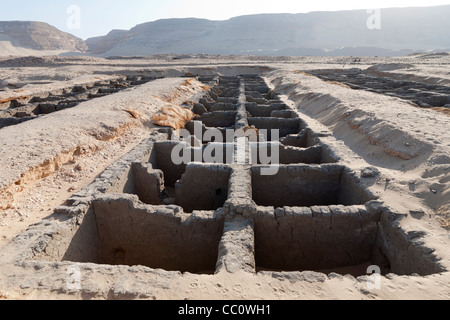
(423, 95)
(18, 110)
(206, 216)
(306, 186)
(339, 239)
(120, 231)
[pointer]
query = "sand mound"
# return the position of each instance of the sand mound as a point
(175, 117)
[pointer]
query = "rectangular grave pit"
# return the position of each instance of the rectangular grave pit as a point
(191, 185)
(307, 185)
(119, 230)
(337, 239)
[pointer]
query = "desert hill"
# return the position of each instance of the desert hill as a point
(32, 35)
(402, 30)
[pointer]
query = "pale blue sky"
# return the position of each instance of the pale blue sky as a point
(98, 17)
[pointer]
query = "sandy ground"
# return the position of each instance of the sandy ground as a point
(7, 49)
(46, 160)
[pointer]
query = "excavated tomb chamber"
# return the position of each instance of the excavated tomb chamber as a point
(355, 240)
(319, 218)
(155, 214)
(307, 185)
(324, 239)
(161, 181)
(119, 230)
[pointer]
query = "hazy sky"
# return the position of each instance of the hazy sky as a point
(88, 18)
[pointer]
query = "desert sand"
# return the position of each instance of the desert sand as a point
(46, 160)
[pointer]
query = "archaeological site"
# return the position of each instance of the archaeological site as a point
(224, 177)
